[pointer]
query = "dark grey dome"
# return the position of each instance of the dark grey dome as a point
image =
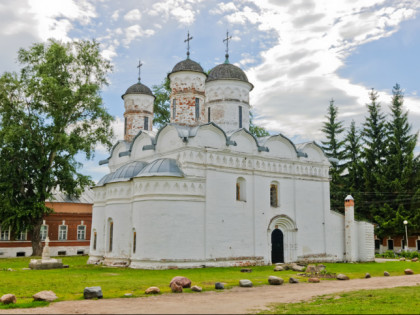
(138, 88)
(227, 71)
(187, 65)
(123, 173)
(162, 167)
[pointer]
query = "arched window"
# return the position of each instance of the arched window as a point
(274, 195)
(240, 116)
(134, 241)
(241, 189)
(146, 123)
(111, 235)
(197, 108)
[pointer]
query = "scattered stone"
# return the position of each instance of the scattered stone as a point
(293, 280)
(176, 287)
(246, 270)
(342, 277)
(128, 294)
(48, 296)
(367, 275)
(8, 299)
(279, 264)
(298, 268)
(92, 293)
(152, 290)
(311, 269)
(196, 288)
(219, 286)
(245, 283)
(415, 259)
(26, 268)
(10, 269)
(313, 280)
(386, 274)
(182, 281)
(408, 272)
(278, 268)
(402, 259)
(273, 280)
(65, 266)
(320, 268)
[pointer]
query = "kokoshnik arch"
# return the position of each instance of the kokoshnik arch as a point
(203, 191)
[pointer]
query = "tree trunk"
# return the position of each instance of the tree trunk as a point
(36, 238)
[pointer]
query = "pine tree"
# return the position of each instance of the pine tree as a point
(374, 156)
(333, 148)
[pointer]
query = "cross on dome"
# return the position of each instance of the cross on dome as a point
(188, 44)
(227, 46)
(139, 66)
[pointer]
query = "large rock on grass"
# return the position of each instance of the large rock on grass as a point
(48, 296)
(92, 293)
(293, 280)
(219, 286)
(176, 287)
(182, 281)
(341, 276)
(298, 268)
(386, 274)
(273, 280)
(196, 288)
(152, 290)
(367, 275)
(278, 268)
(8, 299)
(414, 259)
(408, 272)
(313, 280)
(245, 283)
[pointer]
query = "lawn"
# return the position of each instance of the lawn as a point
(68, 284)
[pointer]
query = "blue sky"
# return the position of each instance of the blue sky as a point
(298, 53)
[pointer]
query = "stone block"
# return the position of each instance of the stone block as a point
(48, 296)
(273, 280)
(92, 293)
(245, 283)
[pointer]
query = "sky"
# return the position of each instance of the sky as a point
(298, 54)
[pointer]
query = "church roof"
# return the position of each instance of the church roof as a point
(162, 167)
(123, 173)
(138, 88)
(187, 65)
(227, 71)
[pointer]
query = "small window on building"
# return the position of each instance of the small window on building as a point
(377, 244)
(391, 244)
(241, 189)
(146, 123)
(62, 253)
(173, 108)
(111, 235)
(81, 232)
(80, 252)
(44, 232)
(94, 240)
(403, 244)
(208, 114)
(134, 241)
(274, 201)
(4, 234)
(62, 232)
(418, 245)
(197, 108)
(22, 236)
(20, 254)
(240, 116)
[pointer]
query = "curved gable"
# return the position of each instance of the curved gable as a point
(314, 152)
(115, 160)
(209, 135)
(168, 138)
(142, 139)
(245, 141)
(280, 146)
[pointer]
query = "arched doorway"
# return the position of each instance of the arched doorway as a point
(277, 246)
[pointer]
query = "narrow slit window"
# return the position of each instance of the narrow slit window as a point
(111, 232)
(125, 126)
(238, 191)
(134, 242)
(197, 108)
(146, 123)
(208, 114)
(94, 240)
(173, 108)
(240, 116)
(273, 195)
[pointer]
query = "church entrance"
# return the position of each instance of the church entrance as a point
(277, 248)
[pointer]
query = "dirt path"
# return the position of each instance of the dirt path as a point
(235, 301)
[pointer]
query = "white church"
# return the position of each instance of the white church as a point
(202, 191)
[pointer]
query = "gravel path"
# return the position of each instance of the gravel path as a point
(235, 301)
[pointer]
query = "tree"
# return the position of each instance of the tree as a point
(256, 130)
(398, 170)
(49, 112)
(374, 135)
(161, 106)
(333, 148)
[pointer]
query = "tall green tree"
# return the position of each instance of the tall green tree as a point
(374, 135)
(162, 104)
(49, 112)
(333, 148)
(398, 169)
(256, 130)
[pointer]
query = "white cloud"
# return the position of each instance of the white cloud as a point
(183, 11)
(115, 16)
(133, 15)
(135, 31)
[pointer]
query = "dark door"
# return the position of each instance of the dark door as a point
(277, 252)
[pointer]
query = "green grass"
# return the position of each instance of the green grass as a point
(403, 300)
(68, 284)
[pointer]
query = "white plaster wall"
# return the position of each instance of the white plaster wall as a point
(335, 234)
(244, 142)
(208, 136)
(167, 140)
(280, 147)
(137, 152)
(366, 241)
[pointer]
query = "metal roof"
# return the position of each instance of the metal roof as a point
(138, 88)
(85, 197)
(161, 167)
(227, 71)
(123, 173)
(187, 65)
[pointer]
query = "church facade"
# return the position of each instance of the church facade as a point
(203, 191)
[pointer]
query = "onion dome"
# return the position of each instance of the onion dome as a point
(138, 88)
(162, 167)
(123, 173)
(187, 65)
(227, 71)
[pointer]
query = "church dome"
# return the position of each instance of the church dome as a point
(162, 167)
(138, 88)
(123, 173)
(227, 71)
(187, 65)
